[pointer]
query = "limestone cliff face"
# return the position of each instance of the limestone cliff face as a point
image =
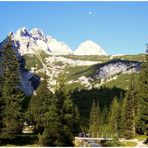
(115, 67)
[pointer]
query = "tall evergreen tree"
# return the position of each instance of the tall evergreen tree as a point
(12, 95)
(76, 121)
(123, 115)
(39, 106)
(99, 119)
(62, 117)
(143, 95)
(129, 112)
(93, 126)
(105, 129)
(121, 111)
(113, 116)
(1, 103)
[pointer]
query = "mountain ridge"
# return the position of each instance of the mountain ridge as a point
(27, 41)
(86, 71)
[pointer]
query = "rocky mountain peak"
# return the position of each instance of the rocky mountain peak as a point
(89, 48)
(22, 32)
(28, 42)
(37, 34)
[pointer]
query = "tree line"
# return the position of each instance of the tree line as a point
(127, 115)
(54, 116)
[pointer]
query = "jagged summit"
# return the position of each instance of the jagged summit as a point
(89, 48)
(30, 42)
(21, 32)
(38, 34)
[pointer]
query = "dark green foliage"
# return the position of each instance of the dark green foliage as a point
(113, 143)
(19, 140)
(66, 114)
(121, 115)
(128, 112)
(76, 121)
(1, 103)
(143, 96)
(104, 127)
(93, 120)
(113, 117)
(39, 107)
(84, 98)
(11, 94)
(62, 119)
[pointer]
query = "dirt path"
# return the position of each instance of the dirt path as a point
(141, 144)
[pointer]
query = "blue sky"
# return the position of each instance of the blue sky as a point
(118, 27)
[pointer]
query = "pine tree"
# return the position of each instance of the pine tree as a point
(105, 129)
(143, 95)
(62, 117)
(12, 96)
(66, 109)
(39, 106)
(129, 110)
(93, 127)
(113, 116)
(121, 111)
(99, 119)
(1, 104)
(136, 104)
(76, 121)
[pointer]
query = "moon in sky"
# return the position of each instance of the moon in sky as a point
(90, 12)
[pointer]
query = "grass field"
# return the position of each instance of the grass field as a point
(140, 137)
(128, 144)
(122, 81)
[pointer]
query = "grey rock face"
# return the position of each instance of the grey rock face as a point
(115, 67)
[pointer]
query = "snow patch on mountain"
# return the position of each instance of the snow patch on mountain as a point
(58, 47)
(89, 48)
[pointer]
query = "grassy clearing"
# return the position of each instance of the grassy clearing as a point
(74, 86)
(76, 72)
(140, 137)
(88, 57)
(138, 57)
(128, 144)
(31, 60)
(122, 81)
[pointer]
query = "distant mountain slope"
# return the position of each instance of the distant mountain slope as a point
(85, 71)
